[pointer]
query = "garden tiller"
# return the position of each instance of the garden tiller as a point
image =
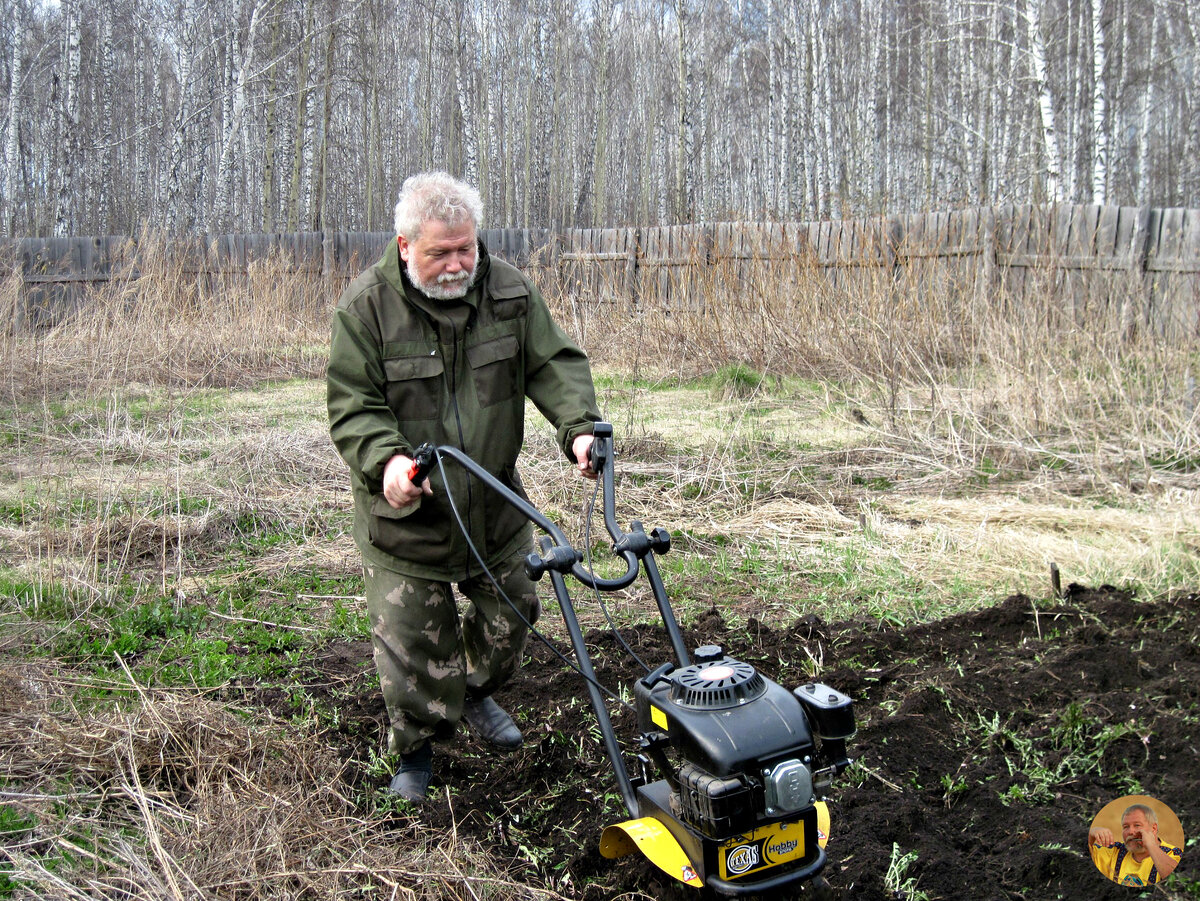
(742, 764)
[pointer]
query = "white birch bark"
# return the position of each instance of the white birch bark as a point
(874, 107)
(464, 97)
(823, 63)
(684, 128)
(789, 178)
(318, 181)
(242, 64)
(98, 165)
(69, 150)
(12, 137)
(301, 139)
(1099, 106)
(270, 130)
(181, 151)
(1041, 80)
(1012, 118)
(771, 137)
(1149, 98)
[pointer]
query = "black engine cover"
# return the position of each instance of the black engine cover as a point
(725, 717)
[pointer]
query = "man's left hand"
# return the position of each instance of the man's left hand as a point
(581, 447)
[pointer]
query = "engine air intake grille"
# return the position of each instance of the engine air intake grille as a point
(716, 685)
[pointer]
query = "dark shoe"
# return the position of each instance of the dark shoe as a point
(489, 721)
(411, 781)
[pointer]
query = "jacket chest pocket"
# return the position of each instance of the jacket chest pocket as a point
(495, 366)
(414, 386)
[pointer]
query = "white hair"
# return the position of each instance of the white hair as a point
(436, 196)
(1146, 809)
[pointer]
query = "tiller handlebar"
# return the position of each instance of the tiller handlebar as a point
(744, 764)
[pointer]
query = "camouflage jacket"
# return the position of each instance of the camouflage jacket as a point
(401, 373)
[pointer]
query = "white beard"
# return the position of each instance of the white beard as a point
(445, 287)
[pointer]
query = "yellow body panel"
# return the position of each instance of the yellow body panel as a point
(765, 847)
(762, 848)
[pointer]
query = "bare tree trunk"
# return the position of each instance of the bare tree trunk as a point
(772, 139)
(270, 130)
(684, 128)
(821, 67)
(12, 138)
(100, 162)
(69, 150)
(1148, 102)
(788, 177)
(1037, 59)
(600, 125)
(1180, 34)
(302, 138)
(464, 96)
(876, 102)
(319, 181)
(1099, 108)
(242, 64)
(181, 151)
(374, 185)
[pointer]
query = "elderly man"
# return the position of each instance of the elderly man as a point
(1139, 858)
(438, 342)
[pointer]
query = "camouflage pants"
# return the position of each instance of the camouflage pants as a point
(430, 659)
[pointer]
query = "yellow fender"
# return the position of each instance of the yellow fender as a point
(650, 837)
(822, 823)
(658, 846)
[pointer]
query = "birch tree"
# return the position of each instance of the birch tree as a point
(12, 136)
(242, 61)
(181, 159)
(69, 149)
(1041, 82)
(301, 138)
(1099, 106)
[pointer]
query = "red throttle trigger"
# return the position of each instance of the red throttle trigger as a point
(422, 463)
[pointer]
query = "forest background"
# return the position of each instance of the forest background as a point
(212, 116)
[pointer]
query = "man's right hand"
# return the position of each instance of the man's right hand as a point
(1100, 836)
(398, 491)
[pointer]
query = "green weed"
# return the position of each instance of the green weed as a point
(1073, 746)
(896, 880)
(734, 381)
(14, 825)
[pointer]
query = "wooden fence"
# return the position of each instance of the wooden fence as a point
(1089, 257)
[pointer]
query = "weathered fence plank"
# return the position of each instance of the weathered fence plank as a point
(1173, 273)
(1137, 268)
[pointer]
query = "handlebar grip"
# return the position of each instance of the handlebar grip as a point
(601, 450)
(422, 463)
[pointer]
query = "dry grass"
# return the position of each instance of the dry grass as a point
(178, 797)
(169, 322)
(936, 359)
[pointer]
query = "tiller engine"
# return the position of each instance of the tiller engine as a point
(741, 765)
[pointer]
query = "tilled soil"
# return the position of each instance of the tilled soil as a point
(986, 744)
